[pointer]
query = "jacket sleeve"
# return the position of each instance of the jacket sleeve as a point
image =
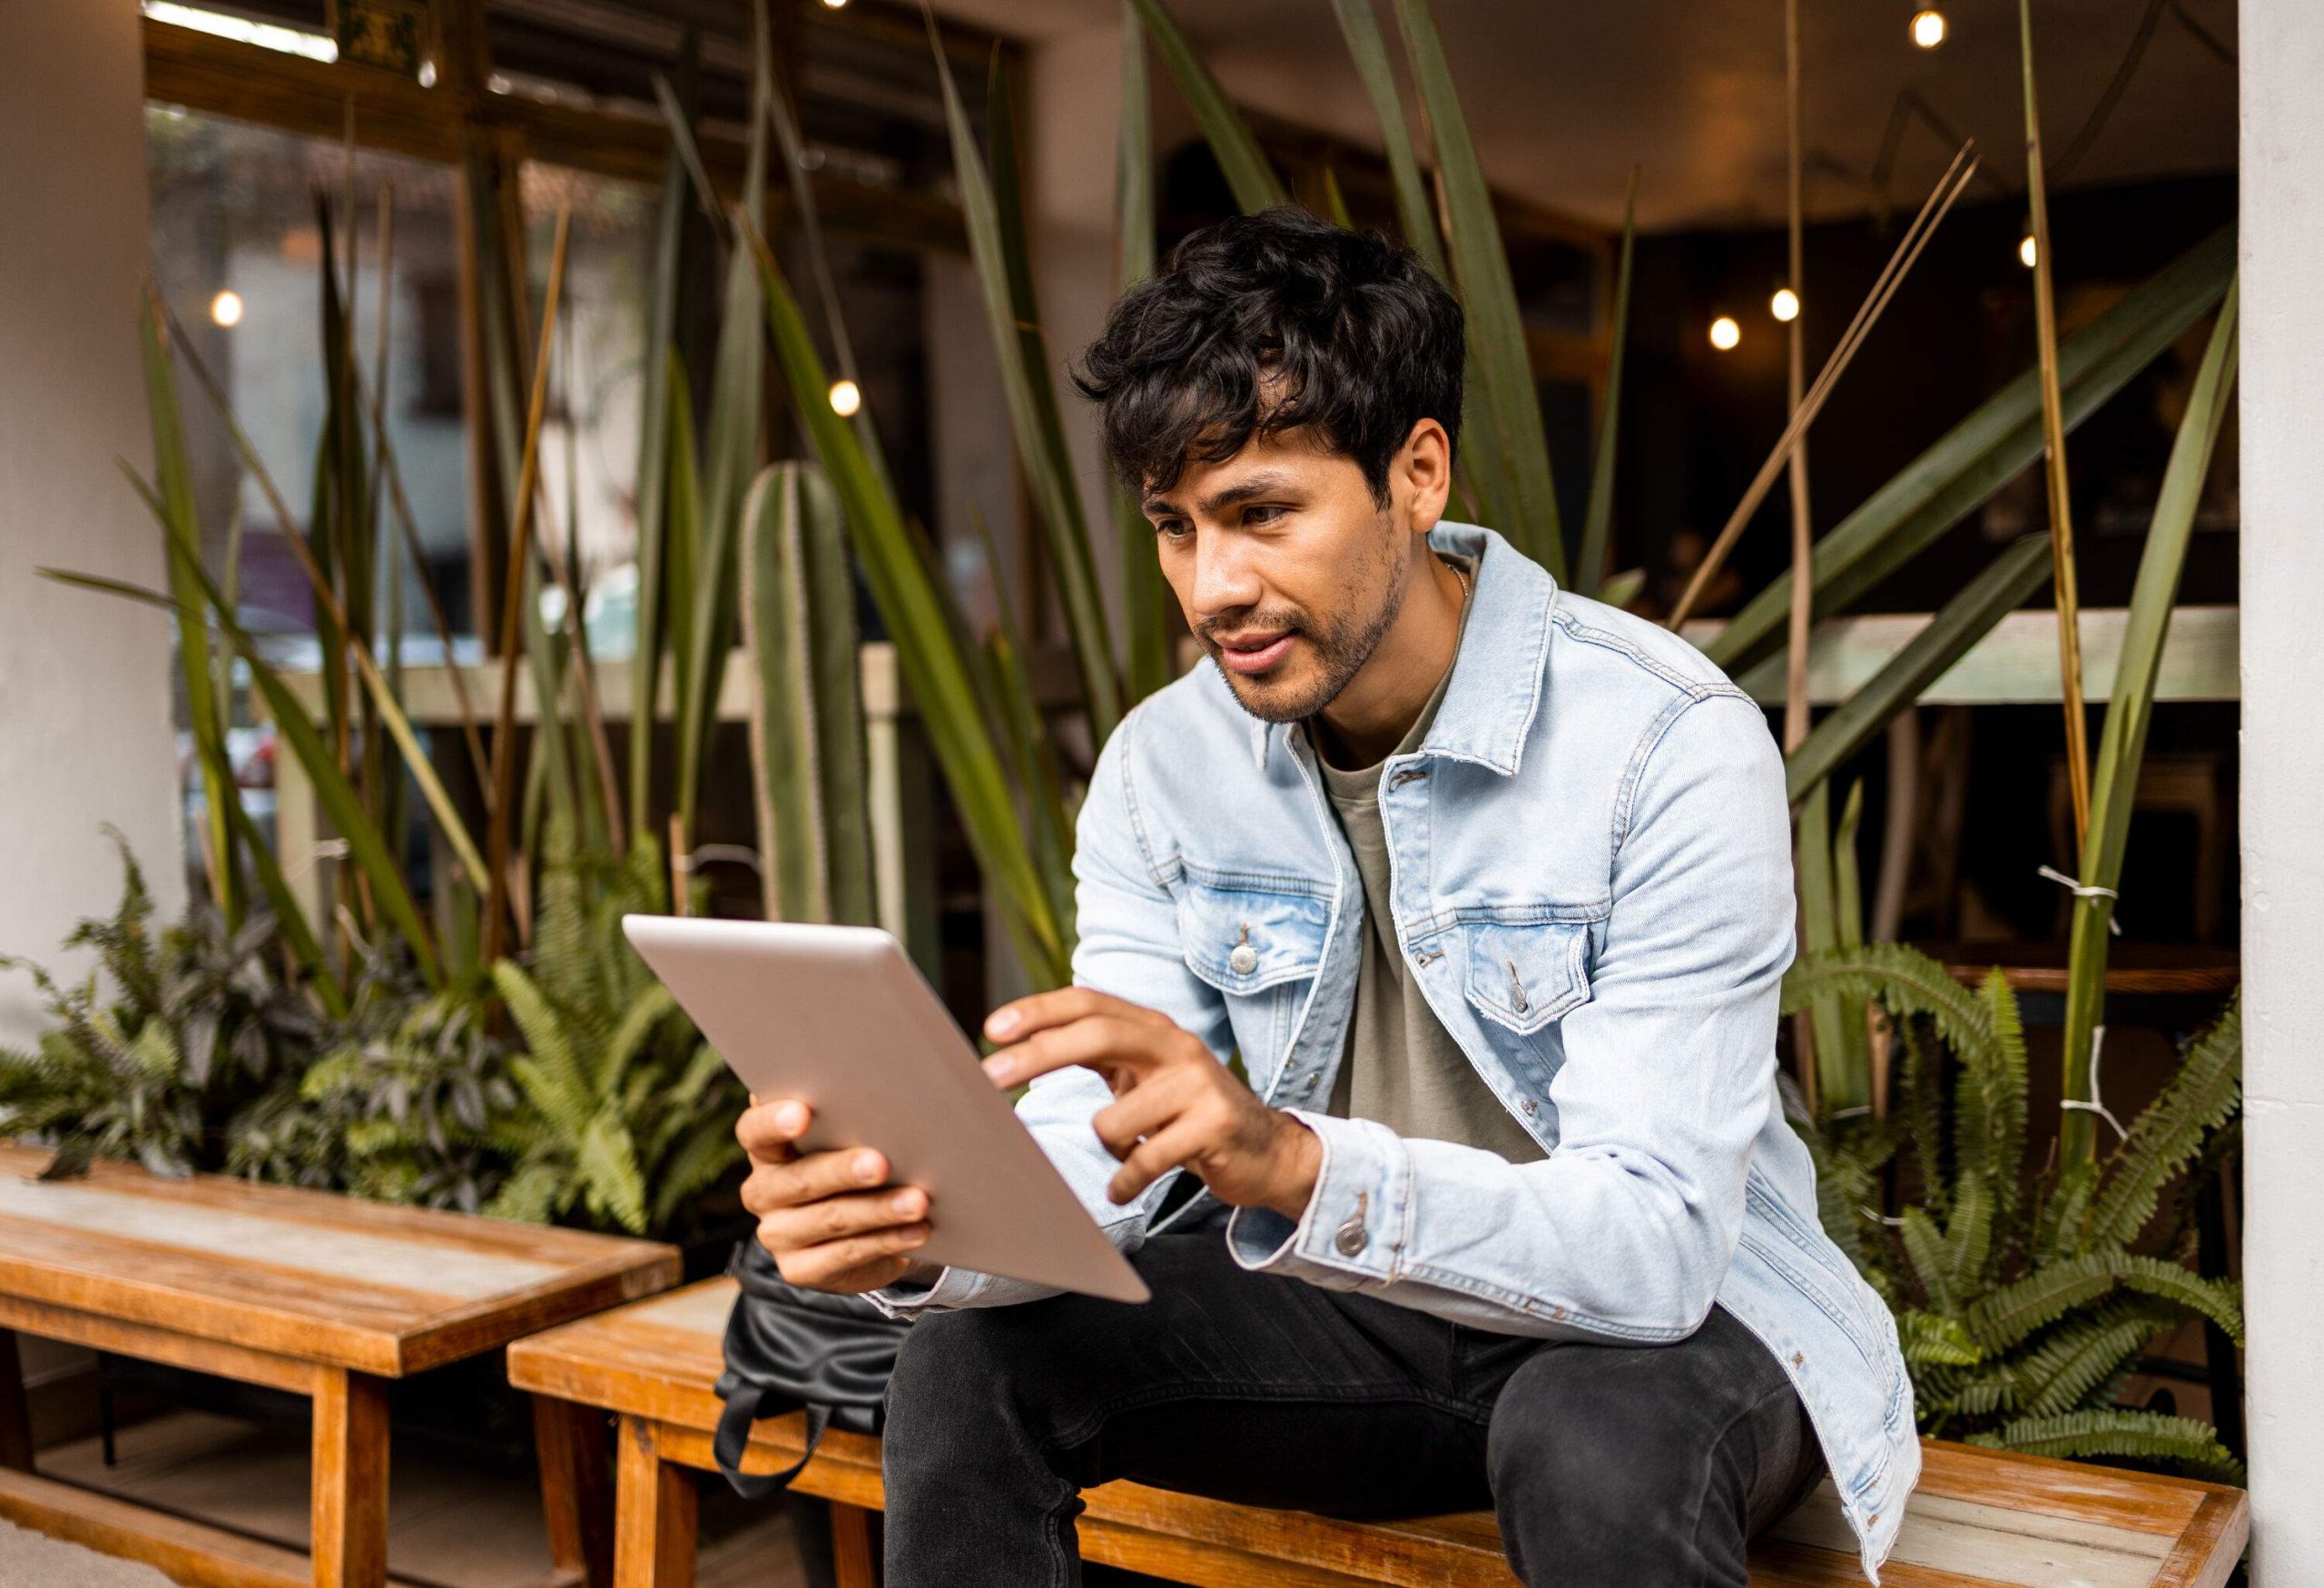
(1128, 945)
(1624, 1232)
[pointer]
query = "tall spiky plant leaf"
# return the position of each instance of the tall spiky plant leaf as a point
(1360, 26)
(914, 609)
(1842, 1078)
(1598, 516)
(1509, 412)
(730, 461)
(2004, 1108)
(653, 485)
(996, 226)
(2002, 586)
(338, 796)
(1252, 180)
(2123, 745)
(806, 731)
(1985, 451)
(172, 500)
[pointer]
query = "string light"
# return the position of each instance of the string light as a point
(846, 398)
(2025, 255)
(1928, 29)
(226, 307)
(1724, 333)
(834, 5)
(1785, 306)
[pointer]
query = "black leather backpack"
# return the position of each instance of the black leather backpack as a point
(788, 1348)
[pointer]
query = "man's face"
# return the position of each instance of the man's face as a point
(1287, 570)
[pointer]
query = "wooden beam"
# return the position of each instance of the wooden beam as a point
(2015, 665)
(225, 77)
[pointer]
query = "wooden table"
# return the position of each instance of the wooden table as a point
(1978, 1519)
(321, 1294)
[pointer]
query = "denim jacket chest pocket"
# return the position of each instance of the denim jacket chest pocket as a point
(1246, 933)
(1523, 975)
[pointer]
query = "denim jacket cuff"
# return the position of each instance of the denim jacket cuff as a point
(953, 1287)
(1352, 1226)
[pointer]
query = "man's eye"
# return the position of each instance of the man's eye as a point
(1258, 514)
(1172, 530)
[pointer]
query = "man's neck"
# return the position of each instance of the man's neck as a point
(1370, 717)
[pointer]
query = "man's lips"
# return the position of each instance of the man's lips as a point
(1257, 658)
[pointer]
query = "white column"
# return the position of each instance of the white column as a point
(2282, 51)
(85, 695)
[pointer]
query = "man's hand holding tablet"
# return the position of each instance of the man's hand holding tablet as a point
(829, 1219)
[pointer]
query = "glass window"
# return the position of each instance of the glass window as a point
(236, 250)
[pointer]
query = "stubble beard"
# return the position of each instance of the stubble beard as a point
(1342, 642)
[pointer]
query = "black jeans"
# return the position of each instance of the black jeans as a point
(1605, 1464)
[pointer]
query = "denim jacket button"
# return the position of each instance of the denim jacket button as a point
(1244, 959)
(1350, 1238)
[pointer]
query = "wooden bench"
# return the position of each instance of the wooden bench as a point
(1979, 1516)
(321, 1294)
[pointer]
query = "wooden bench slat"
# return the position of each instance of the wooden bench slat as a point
(1979, 1518)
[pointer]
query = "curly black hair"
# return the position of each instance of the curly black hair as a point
(1268, 323)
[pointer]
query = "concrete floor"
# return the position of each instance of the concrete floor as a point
(450, 1525)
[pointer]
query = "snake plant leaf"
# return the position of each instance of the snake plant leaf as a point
(1508, 416)
(341, 802)
(1144, 593)
(653, 594)
(1248, 175)
(730, 461)
(2004, 585)
(806, 730)
(172, 500)
(2000, 438)
(2122, 743)
(914, 610)
(1597, 516)
(1360, 26)
(1843, 1076)
(989, 204)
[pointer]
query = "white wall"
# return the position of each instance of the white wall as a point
(84, 702)
(2282, 50)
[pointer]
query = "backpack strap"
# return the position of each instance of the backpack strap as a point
(733, 1435)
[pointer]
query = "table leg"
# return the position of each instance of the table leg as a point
(851, 1560)
(15, 1409)
(577, 1487)
(655, 1535)
(351, 1480)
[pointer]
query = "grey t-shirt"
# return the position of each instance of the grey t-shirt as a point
(1401, 1067)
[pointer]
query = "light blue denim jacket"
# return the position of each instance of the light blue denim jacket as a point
(1591, 868)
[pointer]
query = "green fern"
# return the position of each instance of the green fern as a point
(2019, 1315)
(2147, 1437)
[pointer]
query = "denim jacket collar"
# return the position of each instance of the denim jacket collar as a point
(1489, 706)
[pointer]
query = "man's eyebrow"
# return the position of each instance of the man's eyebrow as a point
(1265, 483)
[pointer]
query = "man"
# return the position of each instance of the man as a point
(1489, 888)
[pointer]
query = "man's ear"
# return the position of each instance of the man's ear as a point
(1423, 466)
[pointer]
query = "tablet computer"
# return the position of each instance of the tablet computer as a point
(841, 1019)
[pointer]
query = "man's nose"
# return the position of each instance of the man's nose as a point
(1225, 578)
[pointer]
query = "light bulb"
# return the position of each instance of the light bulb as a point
(1785, 305)
(834, 5)
(846, 398)
(226, 307)
(1928, 29)
(1724, 333)
(2025, 255)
